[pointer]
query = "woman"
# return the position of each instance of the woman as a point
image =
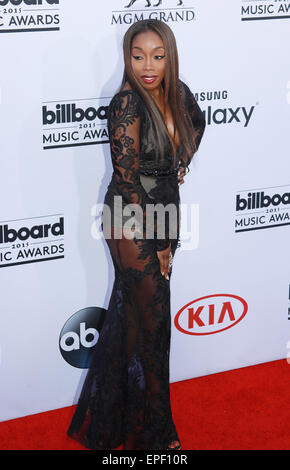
(155, 126)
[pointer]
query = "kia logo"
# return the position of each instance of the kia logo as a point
(211, 314)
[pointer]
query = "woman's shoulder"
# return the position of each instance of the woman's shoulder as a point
(187, 96)
(126, 97)
(126, 90)
(184, 88)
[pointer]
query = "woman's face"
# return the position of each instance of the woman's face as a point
(148, 59)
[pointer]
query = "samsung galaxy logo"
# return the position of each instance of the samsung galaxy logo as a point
(220, 114)
(239, 114)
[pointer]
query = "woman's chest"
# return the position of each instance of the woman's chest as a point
(149, 147)
(168, 119)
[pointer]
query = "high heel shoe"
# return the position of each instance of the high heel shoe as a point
(174, 447)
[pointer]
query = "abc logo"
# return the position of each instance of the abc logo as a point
(79, 336)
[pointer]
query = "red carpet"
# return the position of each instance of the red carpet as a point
(246, 408)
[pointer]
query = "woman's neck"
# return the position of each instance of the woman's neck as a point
(158, 94)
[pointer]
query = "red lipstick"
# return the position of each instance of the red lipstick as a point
(148, 78)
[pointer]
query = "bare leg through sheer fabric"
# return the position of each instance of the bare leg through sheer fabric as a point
(126, 398)
(146, 300)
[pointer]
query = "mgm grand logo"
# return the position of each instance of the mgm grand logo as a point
(149, 4)
(162, 10)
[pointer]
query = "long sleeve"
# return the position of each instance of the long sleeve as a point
(124, 121)
(196, 118)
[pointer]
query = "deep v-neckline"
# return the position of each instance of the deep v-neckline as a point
(176, 147)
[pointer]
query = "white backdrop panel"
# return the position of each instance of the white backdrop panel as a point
(245, 150)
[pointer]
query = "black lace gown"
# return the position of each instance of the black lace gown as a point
(125, 399)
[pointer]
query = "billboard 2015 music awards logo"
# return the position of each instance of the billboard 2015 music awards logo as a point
(74, 123)
(252, 10)
(262, 209)
(24, 241)
(163, 10)
(23, 16)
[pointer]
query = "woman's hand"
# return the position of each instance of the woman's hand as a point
(181, 174)
(164, 259)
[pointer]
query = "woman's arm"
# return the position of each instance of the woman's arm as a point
(124, 120)
(124, 127)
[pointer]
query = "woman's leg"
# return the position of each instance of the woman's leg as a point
(147, 328)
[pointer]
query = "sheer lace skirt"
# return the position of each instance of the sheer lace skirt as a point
(125, 398)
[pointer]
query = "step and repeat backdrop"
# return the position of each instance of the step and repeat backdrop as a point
(61, 63)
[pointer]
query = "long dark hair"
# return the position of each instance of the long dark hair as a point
(170, 84)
